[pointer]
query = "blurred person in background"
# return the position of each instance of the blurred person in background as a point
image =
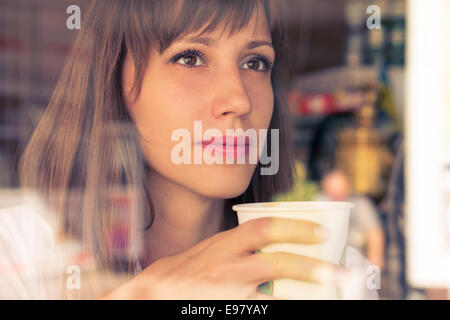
(365, 229)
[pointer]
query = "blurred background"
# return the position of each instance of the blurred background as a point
(369, 95)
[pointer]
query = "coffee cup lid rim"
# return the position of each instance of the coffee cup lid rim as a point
(292, 205)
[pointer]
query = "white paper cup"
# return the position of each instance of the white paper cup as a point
(332, 215)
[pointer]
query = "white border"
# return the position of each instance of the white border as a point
(428, 263)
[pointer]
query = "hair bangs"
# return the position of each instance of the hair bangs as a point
(206, 16)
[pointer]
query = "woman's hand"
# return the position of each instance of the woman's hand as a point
(225, 266)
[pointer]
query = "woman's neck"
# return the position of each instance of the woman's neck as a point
(182, 218)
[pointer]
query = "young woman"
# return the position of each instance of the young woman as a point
(140, 70)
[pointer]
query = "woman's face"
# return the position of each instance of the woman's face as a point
(224, 82)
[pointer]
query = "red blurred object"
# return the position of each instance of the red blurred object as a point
(324, 103)
(317, 104)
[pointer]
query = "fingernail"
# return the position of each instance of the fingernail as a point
(331, 276)
(342, 277)
(324, 275)
(322, 232)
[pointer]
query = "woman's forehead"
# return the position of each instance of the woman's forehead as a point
(215, 17)
(256, 28)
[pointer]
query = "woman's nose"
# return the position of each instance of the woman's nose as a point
(230, 95)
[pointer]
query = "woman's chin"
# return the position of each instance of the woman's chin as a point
(212, 181)
(225, 184)
(227, 192)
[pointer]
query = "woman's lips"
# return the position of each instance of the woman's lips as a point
(228, 140)
(229, 146)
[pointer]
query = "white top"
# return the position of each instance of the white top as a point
(30, 263)
(32, 267)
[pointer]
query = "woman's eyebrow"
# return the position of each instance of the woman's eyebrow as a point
(260, 43)
(212, 43)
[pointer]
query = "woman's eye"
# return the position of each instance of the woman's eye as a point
(189, 59)
(194, 58)
(258, 64)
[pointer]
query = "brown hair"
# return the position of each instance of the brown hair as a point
(86, 145)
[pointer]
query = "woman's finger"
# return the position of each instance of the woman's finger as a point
(256, 234)
(265, 267)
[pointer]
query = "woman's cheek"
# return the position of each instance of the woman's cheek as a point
(185, 92)
(262, 99)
